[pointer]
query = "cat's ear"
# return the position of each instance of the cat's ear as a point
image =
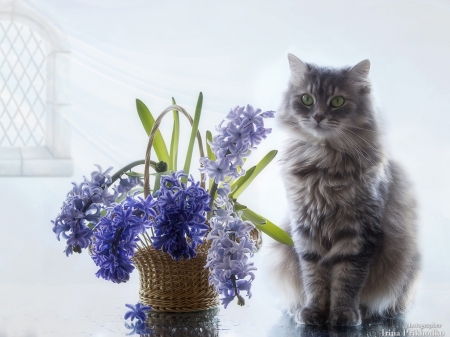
(298, 67)
(361, 70)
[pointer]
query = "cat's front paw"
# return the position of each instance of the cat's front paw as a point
(311, 316)
(293, 309)
(345, 317)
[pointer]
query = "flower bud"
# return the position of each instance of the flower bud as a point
(241, 300)
(161, 166)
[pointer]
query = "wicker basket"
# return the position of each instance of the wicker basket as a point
(175, 286)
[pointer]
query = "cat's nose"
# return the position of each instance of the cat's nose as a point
(319, 118)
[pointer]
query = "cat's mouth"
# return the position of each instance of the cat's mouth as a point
(320, 126)
(321, 130)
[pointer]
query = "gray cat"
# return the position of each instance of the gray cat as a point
(352, 214)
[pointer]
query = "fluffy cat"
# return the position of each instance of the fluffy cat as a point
(351, 210)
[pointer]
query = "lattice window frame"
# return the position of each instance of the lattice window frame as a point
(52, 158)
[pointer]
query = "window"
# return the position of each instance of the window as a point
(34, 135)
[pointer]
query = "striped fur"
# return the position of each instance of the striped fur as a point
(352, 212)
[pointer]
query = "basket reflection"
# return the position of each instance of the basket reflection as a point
(200, 323)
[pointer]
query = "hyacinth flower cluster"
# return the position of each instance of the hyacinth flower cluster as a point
(237, 136)
(116, 234)
(181, 214)
(228, 258)
(231, 247)
(83, 207)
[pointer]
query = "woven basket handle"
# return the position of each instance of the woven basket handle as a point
(150, 144)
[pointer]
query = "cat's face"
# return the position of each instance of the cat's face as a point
(324, 103)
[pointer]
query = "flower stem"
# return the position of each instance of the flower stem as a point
(85, 208)
(212, 194)
(116, 240)
(124, 169)
(147, 237)
(241, 300)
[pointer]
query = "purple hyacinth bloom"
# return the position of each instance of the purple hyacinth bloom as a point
(219, 145)
(81, 210)
(231, 245)
(256, 135)
(99, 178)
(71, 224)
(81, 238)
(84, 206)
(127, 184)
(137, 311)
(219, 170)
(237, 132)
(252, 116)
(238, 152)
(147, 206)
(116, 236)
(97, 187)
(269, 114)
(181, 211)
(235, 114)
(229, 297)
(138, 328)
(244, 130)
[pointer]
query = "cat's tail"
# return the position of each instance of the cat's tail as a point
(284, 273)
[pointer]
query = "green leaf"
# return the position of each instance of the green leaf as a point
(175, 139)
(250, 215)
(164, 173)
(134, 174)
(268, 227)
(242, 183)
(238, 183)
(148, 121)
(211, 155)
(238, 207)
(198, 111)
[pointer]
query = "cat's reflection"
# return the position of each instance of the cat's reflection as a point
(286, 327)
(195, 324)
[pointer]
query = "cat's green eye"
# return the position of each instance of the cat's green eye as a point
(337, 101)
(307, 100)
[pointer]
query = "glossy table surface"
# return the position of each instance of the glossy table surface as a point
(45, 293)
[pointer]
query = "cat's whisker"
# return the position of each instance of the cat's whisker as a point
(362, 138)
(362, 153)
(359, 128)
(367, 156)
(346, 149)
(357, 147)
